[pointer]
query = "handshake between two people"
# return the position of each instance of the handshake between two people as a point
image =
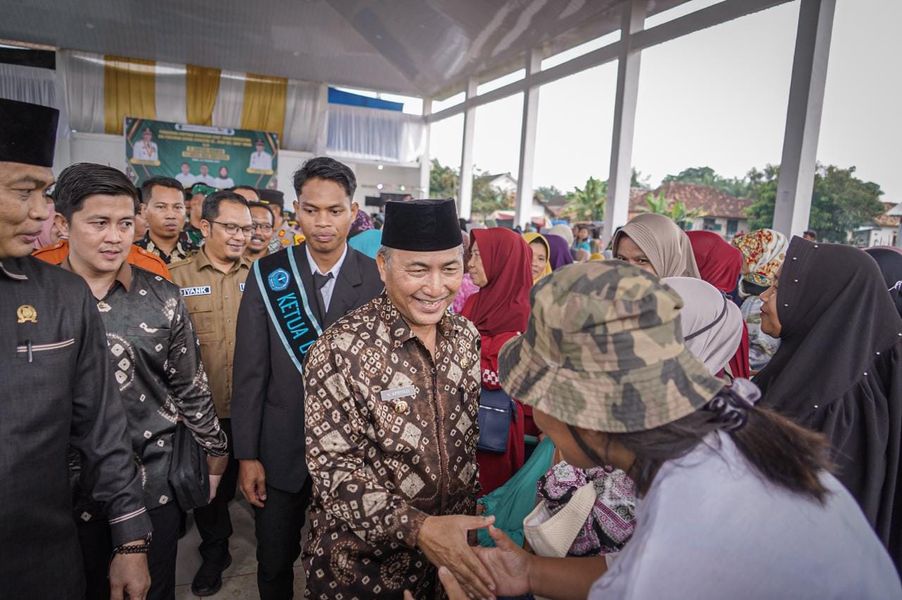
(471, 571)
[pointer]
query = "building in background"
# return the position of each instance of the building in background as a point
(713, 209)
(884, 231)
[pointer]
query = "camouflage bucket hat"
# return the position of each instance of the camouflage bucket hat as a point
(604, 351)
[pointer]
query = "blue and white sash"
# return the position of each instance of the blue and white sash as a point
(286, 302)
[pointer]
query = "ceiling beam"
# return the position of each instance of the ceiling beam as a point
(716, 14)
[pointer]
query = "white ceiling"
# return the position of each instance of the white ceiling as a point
(414, 47)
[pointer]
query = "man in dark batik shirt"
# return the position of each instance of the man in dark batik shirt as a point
(57, 390)
(155, 356)
(391, 409)
(164, 209)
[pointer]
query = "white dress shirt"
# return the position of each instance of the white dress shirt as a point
(329, 286)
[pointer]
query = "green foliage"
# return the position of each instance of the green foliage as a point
(706, 176)
(840, 203)
(587, 203)
(676, 210)
(763, 192)
(444, 182)
(546, 193)
(640, 180)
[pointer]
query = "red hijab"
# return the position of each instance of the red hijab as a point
(720, 264)
(501, 306)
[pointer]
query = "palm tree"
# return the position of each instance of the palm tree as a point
(682, 216)
(587, 204)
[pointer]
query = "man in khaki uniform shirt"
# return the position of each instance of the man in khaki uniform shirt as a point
(212, 282)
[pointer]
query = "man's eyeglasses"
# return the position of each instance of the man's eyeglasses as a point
(232, 228)
(264, 227)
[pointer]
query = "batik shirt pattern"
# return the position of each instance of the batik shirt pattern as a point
(391, 439)
(161, 379)
(183, 248)
(762, 347)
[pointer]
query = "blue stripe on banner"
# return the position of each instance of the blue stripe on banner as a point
(349, 99)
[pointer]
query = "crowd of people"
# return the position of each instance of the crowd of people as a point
(459, 410)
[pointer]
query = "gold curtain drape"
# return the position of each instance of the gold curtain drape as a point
(201, 88)
(264, 103)
(129, 90)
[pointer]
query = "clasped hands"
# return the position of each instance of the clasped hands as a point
(470, 571)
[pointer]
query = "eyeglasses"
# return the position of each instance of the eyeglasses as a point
(232, 228)
(264, 227)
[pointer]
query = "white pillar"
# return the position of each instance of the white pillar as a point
(465, 201)
(523, 210)
(425, 162)
(803, 116)
(619, 176)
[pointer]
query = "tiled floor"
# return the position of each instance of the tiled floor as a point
(240, 579)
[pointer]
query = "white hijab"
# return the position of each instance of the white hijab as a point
(712, 324)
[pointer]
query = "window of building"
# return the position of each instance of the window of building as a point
(711, 224)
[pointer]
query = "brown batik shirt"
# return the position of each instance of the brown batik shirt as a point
(391, 439)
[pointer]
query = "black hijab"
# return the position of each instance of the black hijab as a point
(890, 262)
(839, 371)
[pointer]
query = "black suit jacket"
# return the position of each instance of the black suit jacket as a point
(268, 392)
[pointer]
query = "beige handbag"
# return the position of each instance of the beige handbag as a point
(552, 535)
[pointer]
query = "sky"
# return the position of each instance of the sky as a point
(717, 97)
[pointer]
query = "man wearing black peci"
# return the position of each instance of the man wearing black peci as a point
(291, 296)
(58, 390)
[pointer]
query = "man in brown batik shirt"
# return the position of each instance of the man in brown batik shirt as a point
(392, 395)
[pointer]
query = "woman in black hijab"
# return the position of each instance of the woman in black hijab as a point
(889, 260)
(839, 370)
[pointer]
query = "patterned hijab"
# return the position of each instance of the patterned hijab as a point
(501, 306)
(531, 237)
(663, 242)
(362, 222)
(763, 251)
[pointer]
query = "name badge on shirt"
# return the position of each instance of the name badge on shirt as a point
(200, 290)
(389, 395)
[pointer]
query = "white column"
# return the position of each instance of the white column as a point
(425, 162)
(465, 201)
(619, 176)
(803, 116)
(523, 210)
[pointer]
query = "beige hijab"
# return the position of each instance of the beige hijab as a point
(712, 324)
(564, 231)
(663, 242)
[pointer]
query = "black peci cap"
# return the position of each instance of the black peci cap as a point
(421, 225)
(27, 133)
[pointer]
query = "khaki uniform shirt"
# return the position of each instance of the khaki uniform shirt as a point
(391, 438)
(213, 298)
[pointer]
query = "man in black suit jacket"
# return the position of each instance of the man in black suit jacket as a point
(268, 397)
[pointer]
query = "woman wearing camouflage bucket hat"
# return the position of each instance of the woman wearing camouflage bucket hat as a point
(735, 501)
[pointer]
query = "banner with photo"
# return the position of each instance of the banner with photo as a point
(218, 156)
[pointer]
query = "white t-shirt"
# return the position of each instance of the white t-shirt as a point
(711, 527)
(223, 182)
(142, 150)
(187, 180)
(261, 161)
